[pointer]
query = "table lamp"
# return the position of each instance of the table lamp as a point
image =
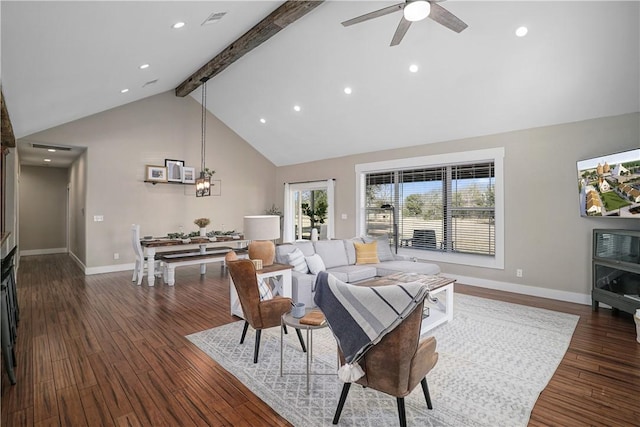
(262, 230)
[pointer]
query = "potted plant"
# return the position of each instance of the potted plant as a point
(202, 223)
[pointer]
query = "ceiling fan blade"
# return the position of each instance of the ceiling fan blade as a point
(403, 26)
(378, 13)
(446, 18)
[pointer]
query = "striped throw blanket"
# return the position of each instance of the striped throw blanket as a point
(359, 316)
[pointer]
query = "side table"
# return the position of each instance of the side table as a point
(288, 320)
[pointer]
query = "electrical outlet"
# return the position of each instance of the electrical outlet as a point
(343, 216)
(98, 218)
(519, 272)
(116, 255)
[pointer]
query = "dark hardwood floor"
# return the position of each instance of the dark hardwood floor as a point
(101, 351)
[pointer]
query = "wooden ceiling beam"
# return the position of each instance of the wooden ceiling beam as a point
(287, 13)
(6, 129)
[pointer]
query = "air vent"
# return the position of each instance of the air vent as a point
(150, 82)
(214, 17)
(51, 147)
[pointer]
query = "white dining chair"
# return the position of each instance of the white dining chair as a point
(140, 267)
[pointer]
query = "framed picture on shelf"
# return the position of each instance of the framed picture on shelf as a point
(174, 169)
(155, 173)
(188, 175)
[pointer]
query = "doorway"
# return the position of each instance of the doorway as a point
(308, 206)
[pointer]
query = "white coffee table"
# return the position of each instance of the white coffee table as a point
(440, 288)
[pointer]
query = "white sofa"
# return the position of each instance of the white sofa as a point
(339, 258)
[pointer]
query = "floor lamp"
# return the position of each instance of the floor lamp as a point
(262, 230)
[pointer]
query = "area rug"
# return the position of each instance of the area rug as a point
(495, 359)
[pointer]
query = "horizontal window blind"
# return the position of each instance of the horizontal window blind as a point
(444, 208)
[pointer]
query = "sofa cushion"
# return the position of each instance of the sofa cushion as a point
(305, 246)
(383, 248)
(296, 259)
(332, 252)
(315, 263)
(366, 253)
(353, 273)
(389, 267)
(351, 250)
(282, 251)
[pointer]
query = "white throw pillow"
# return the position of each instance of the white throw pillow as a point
(296, 259)
(315, 263)
(264, 289)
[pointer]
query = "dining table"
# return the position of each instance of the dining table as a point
(163, 244)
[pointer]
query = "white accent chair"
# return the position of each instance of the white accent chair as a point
(141, 261)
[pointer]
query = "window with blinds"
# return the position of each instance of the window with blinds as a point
(448, 208)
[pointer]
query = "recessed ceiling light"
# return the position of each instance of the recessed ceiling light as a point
(522, 31)
(143, 66)
(347, 90)
(47, 160)
(51, 150)
(297, 107)
(177, 25)
(124, 91)
(263, 121)
(413, 68)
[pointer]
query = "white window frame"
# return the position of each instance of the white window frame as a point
(289, 206)
(496, 155)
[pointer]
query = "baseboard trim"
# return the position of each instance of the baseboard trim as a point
(108, 269)
(77, 261)
(524, 289)
(31, 252)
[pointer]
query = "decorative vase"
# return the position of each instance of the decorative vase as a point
(636, 318)
(203, 231)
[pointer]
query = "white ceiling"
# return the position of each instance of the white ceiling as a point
(65, 60)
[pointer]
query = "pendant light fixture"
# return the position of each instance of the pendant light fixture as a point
(203, 184)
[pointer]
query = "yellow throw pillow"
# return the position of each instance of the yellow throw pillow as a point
(366, 253)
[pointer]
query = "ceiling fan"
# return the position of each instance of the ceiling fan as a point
(413, 10)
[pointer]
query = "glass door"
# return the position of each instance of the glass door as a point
(307, 206)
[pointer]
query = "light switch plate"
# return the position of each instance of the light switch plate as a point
(98, 218)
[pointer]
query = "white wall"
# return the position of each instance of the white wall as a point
(544, 234)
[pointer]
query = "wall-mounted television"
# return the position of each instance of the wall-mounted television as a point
(609, 185)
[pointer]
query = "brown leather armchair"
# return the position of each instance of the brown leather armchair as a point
(397, 364)
(259, 314)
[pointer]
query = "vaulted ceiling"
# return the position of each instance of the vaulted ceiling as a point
(65, 60)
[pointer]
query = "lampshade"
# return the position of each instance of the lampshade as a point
(262, 227)
(416, 10)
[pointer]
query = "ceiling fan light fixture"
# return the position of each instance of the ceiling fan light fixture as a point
(416, 10)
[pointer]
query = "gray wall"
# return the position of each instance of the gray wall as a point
(43, 207)
(109, 181)
(77, 203)
(544, 234)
